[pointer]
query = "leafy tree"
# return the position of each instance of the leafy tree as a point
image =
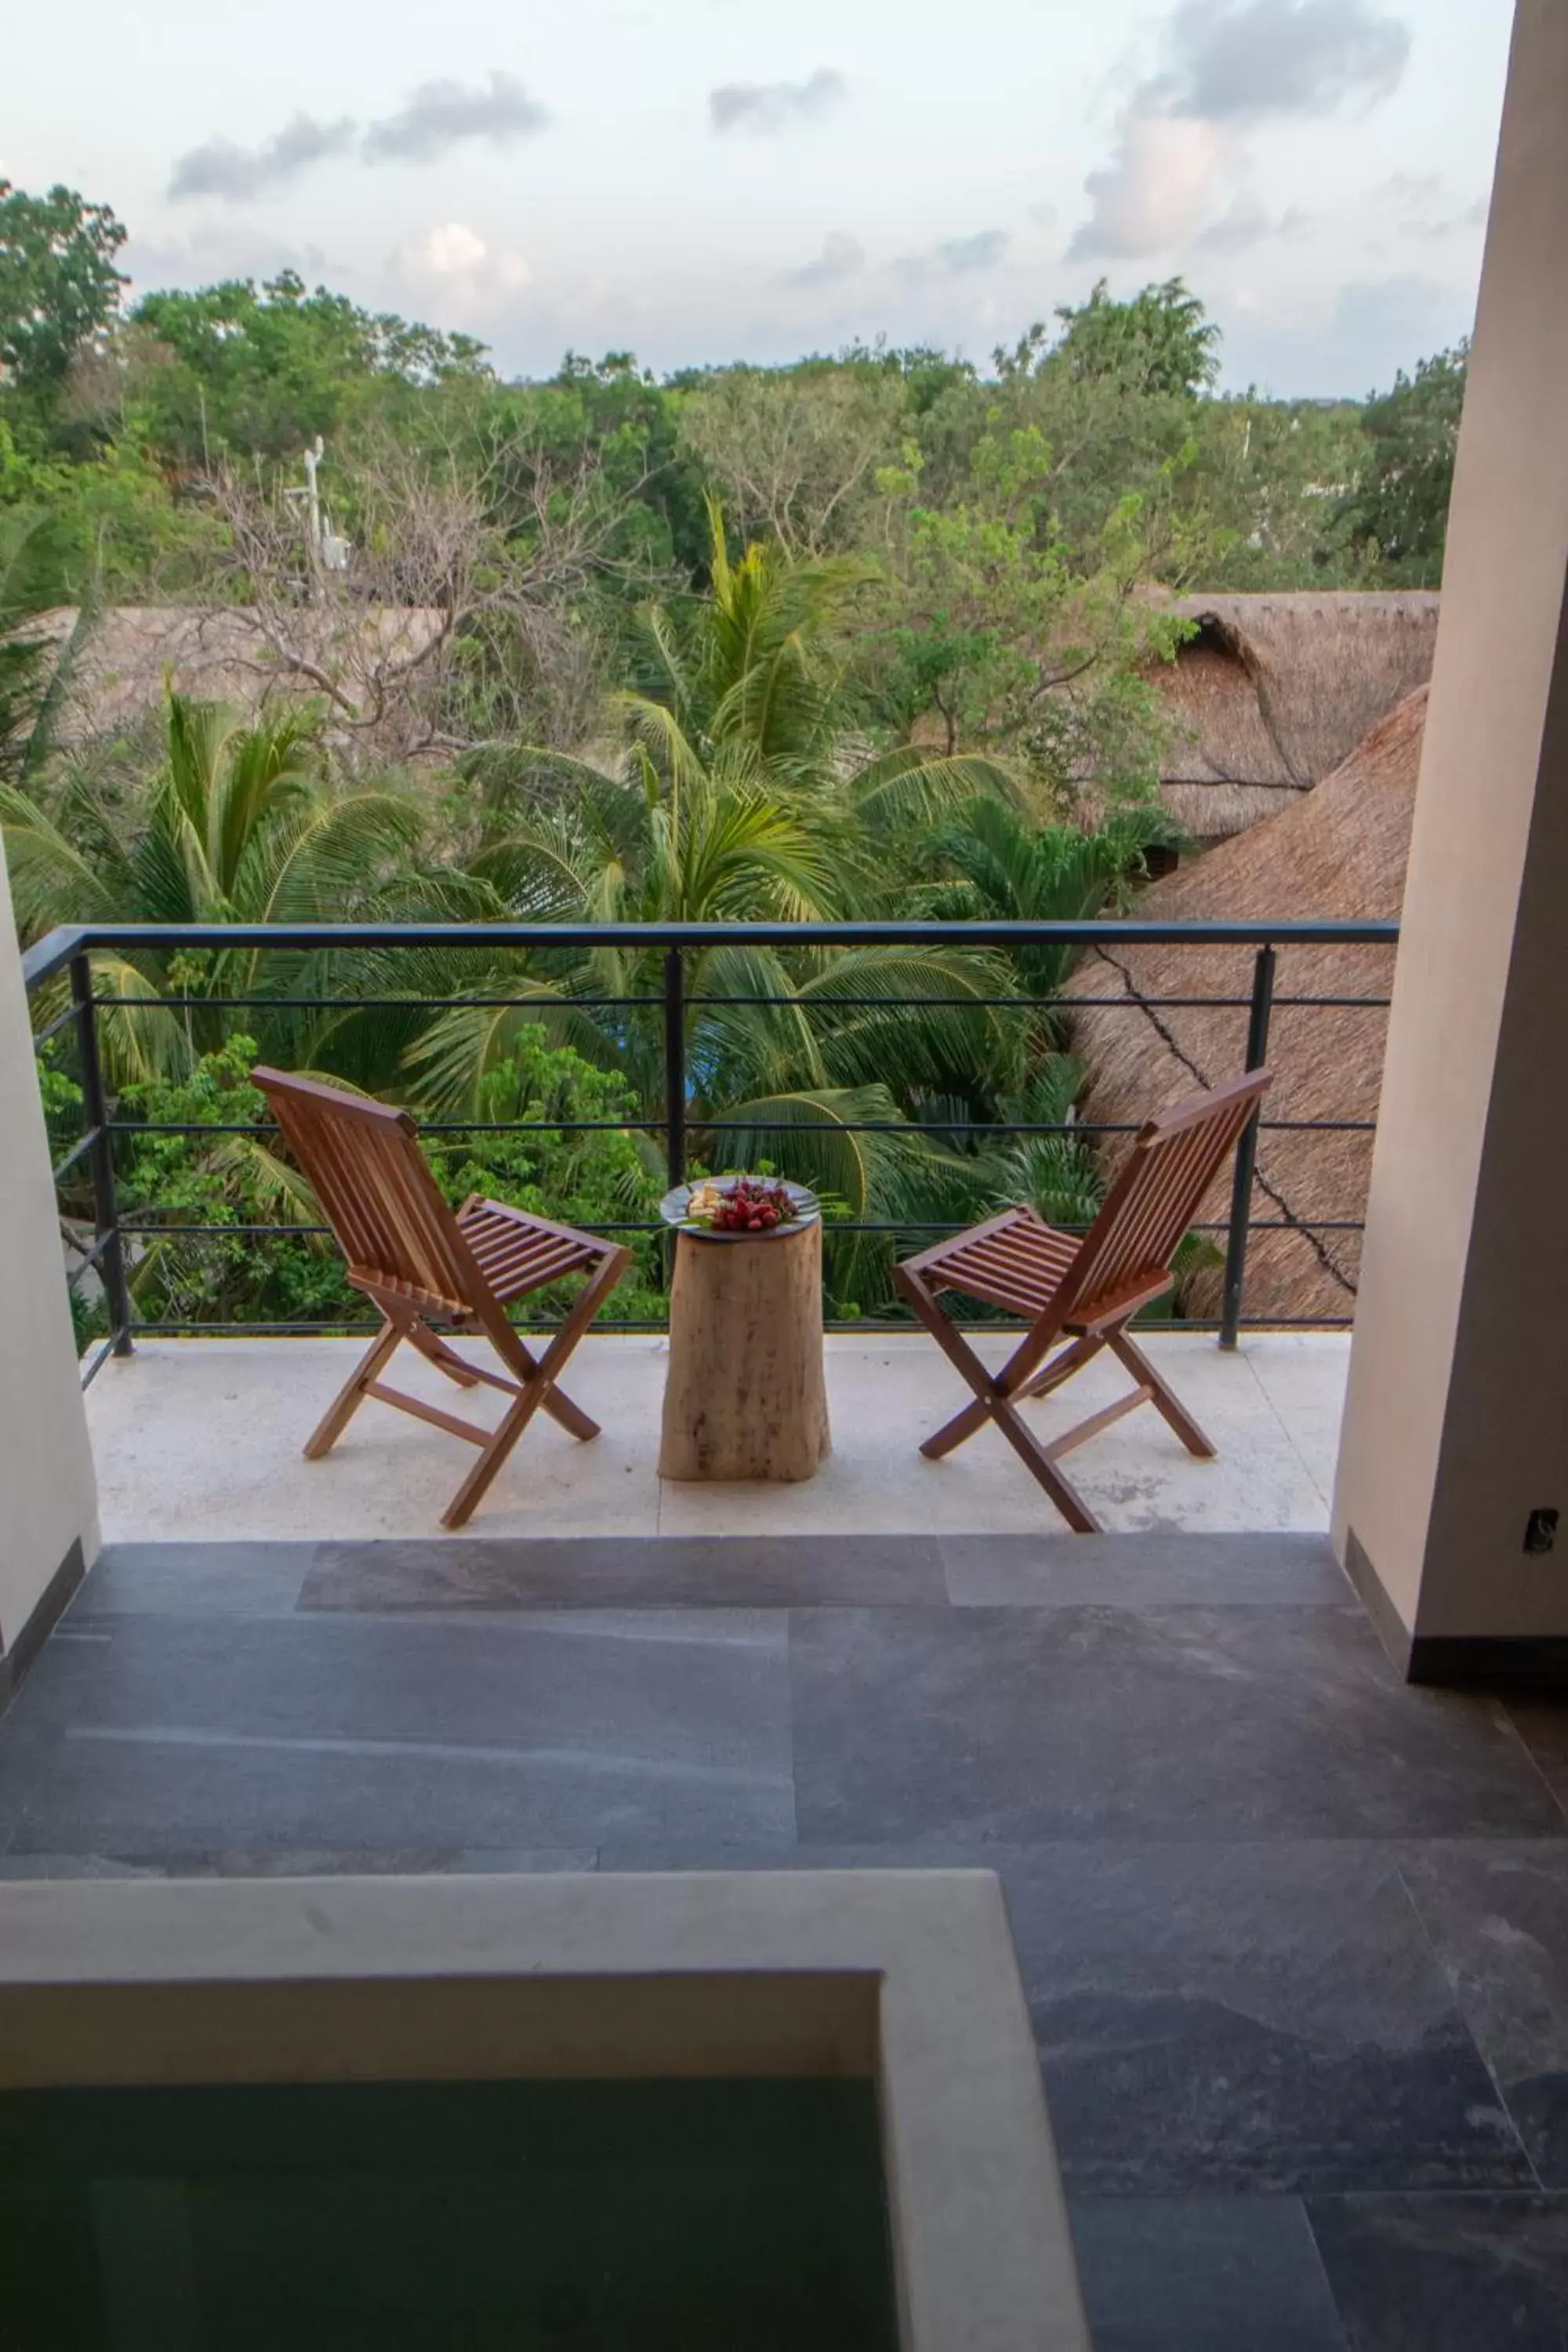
(1268, 492)
(633, 424)
(993, 628)
(792, 452)
(238, 1180)
(1117, 401)
(248, 370)
(1160, 342)
(997, 868)
(1401, 505)
(59, 290)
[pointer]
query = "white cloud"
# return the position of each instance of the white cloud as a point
(1258, 58)
(1155, 190)
(774, 105)
(842, 257)
(455, 256)
(958, 257)
(1421, 204)
(1228, 67)
(441, 114)
(1247, 223)
(221, 169)
(437, 117)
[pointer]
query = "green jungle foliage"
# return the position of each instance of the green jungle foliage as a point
(868, 637)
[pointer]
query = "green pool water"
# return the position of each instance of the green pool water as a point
(580, 2217)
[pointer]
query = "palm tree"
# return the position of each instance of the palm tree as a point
(740, 794)
(990, 863)
(240, 823)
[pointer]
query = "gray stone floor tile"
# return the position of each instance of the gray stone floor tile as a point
(1203, 2275)
(1497, 1917)
(203, 1580)
(1247, 2018)
(330, 1733)
(1447, 2273)
(1543, 1724)
(1132, 1572)
(1265, 2018)
(1027, 1725)
(630, 1572)
(302, 1862)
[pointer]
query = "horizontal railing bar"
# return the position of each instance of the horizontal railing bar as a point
(837, 1003)
(1288, 1225)
(1047, 1005)
(427, 1127)
(79, 1150)
(58, 947)
(307, 1232)
(834, 1228)
(1142, 1002)
(350, 1003)
(1079, 1129)
(975, 1126)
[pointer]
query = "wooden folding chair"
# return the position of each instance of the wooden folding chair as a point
(423, 1264)
(1082, 1292)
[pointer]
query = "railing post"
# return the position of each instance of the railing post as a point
(1246, 1153)
(675, 1066)
(106, 1212)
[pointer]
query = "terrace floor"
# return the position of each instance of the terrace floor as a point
(201, 1438)
(1295, 1936)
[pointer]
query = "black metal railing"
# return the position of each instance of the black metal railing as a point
(68, 954)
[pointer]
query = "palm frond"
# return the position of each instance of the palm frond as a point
(908, 787)
(449, 1062)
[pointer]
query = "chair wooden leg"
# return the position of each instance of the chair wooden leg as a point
(352, 1395)
(1040, 1467)
(1062, 1368)
(962, 1357)
(974, 1416)
(953, 1433)
(446, 1360)
(557, 1404)
(472, 1491)
(990, 1404)
(538, 1390)
(1161, 1397)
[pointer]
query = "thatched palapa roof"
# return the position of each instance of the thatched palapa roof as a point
(1274, 692)
(1339, 852)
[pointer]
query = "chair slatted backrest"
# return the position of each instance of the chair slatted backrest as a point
(1159, 1191)
(377, 1191)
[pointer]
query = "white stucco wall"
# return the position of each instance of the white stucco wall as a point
(1456, 1426)
(47, 1496)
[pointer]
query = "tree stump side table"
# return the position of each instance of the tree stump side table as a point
(745, 1397)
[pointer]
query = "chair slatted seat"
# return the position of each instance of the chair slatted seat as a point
(1081, 1292)
(426, 1265)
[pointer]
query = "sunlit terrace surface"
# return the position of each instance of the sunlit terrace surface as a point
(200, 1440)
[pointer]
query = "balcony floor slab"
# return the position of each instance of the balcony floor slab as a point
(199, 1440)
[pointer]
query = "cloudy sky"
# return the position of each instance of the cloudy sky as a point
(714, 179)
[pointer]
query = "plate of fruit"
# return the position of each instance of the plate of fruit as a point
(740, 1208)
